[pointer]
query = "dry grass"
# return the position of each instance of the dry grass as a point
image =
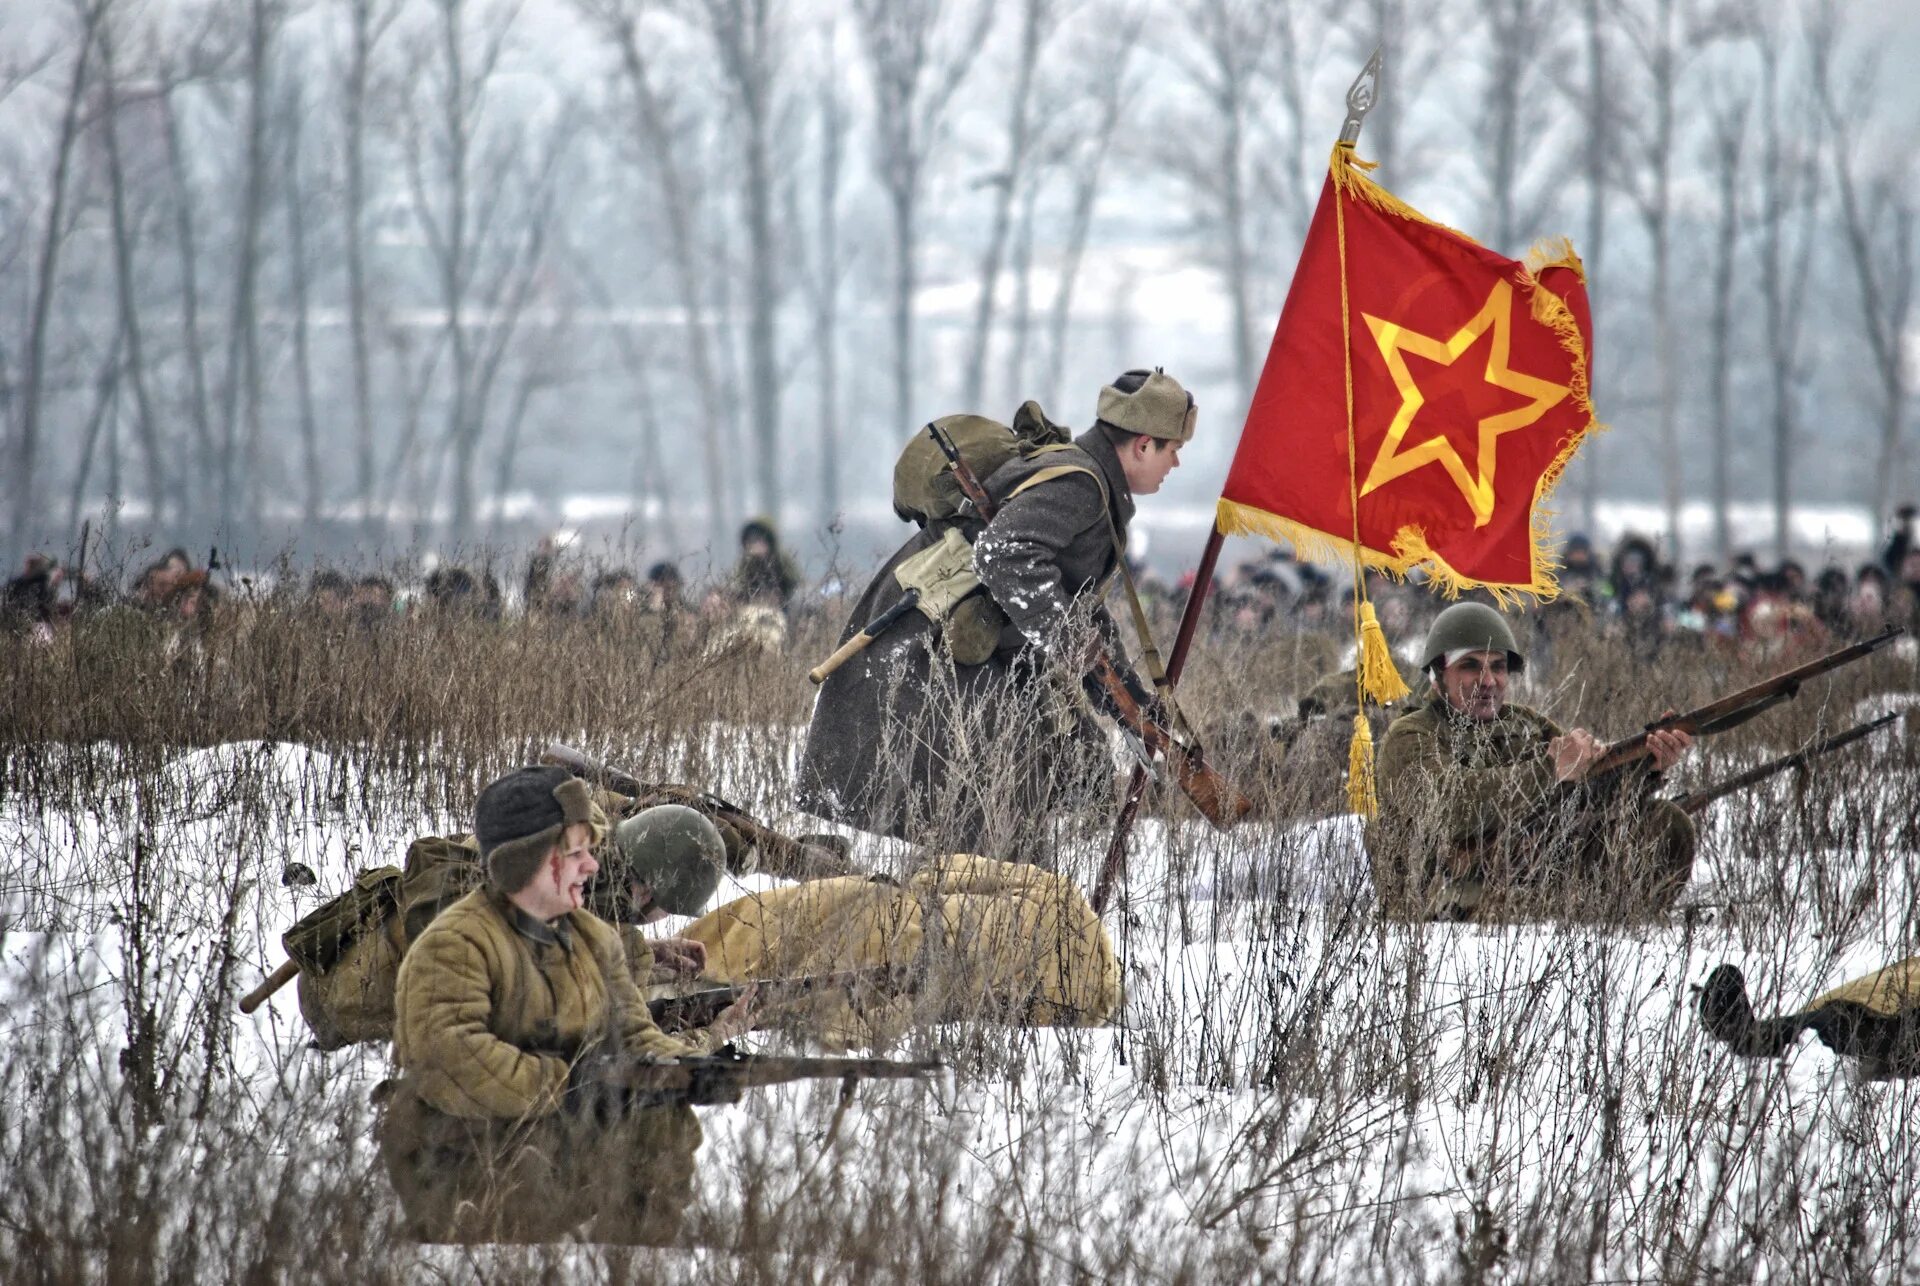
(1300, 1091)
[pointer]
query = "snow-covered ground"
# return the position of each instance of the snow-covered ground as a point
(1297, 1088)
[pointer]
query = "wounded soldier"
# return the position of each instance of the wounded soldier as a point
(494, 1131)
(1874, 1019)
(665, 860)
(972, 937)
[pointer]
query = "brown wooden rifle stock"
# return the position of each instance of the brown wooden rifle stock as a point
(1731, 711)
(1218, 800)
(286, 973)
(858, 643)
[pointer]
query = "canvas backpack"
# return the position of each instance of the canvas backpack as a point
(349, 950)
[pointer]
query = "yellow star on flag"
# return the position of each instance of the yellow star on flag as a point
(1395, 341)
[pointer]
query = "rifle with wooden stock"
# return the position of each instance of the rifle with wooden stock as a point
(699, 1008)
(1731, 711)
(1695, 800)
(724, 1077)
(1218, 800)
(812, 858)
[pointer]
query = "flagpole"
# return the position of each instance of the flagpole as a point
(1176, 662)
(1361, 96)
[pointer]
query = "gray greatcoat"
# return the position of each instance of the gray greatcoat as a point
(973, 758)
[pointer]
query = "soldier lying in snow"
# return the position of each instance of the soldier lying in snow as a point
(980, 939)
(1875, 1019)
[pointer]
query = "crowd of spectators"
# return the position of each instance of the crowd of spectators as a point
(1631, 594)
(750, 604)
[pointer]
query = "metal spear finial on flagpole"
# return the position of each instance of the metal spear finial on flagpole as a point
(1361, 96)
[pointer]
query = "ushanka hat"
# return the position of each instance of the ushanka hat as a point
(1157, 407)
(520, 816)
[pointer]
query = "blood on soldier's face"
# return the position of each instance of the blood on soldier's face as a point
(1476, 685)
(571, 868)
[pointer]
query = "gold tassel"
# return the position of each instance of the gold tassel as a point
(1378, 674)
(1360, 794)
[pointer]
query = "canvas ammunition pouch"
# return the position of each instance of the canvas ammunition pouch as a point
(321, 937)
(344, 949)
(951, 597)
(950, 592)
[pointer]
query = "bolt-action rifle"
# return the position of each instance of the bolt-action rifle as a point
(1695, 800)
(1731, 711)
(724, 1077)
(811, 857)
(1217, 798)
(699, 1008)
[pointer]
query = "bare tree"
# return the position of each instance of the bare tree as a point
(1661, 45)
(1788, 178)
(1728, 117)
(124, 224)
(915, 74)
(1230, 43)
(821, 274)
(186, 235)
(240, 389)
(1519, 37)
(1598, 162)
(485, 202)
(618, 22)
(1038, 20)
(1020, 322)
(1877, 218)
(1411, 46)
(1104, 96)
(53, 239)
(369, 21)
(294, 200)
(748, 36)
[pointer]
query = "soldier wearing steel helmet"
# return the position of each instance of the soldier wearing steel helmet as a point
(1485, 811)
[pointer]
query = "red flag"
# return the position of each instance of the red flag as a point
(1441, 385)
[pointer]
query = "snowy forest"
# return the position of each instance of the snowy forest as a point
(328, 275)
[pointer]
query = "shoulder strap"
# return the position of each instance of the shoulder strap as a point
(1053, 471)
(1149, 652)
